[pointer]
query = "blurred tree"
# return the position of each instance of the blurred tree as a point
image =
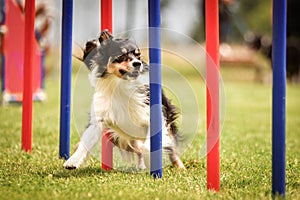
(293, 15)
(257, 15)
(244, 15)
(293, 40)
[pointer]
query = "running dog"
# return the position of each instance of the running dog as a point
(120, 104)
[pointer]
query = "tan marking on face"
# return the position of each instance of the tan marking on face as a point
(115, 68)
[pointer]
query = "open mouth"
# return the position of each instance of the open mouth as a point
(129, 75)
(122, 71)
(133, 74)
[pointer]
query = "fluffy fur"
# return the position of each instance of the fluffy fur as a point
(121, 102)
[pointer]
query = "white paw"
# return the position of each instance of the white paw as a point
(77, 159)
(141, 165)
(72, 163)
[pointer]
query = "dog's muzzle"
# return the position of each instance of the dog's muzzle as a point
(137, 68)
(137, 65)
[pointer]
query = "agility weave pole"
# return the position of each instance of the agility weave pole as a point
(27, 76)
(107, 145)
(155, 89)
(279, 97)
(212, 94)
(66, 75)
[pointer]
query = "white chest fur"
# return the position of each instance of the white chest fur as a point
(120, 106)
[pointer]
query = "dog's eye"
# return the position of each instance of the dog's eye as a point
(136, 54)
(120, 58)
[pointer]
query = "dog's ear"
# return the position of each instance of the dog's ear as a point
(88, 52)
(105, 35)
(89, 47)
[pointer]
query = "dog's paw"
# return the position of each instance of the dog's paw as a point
(178, 163)
(141, 166)
(72, 163)
(77, 159)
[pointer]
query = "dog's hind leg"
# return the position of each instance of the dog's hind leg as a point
(174, 158)
(138, 148)
(170, 147)
(88, 141)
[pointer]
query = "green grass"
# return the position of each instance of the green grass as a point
(245, 152)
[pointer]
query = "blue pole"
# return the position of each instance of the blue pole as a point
(155, 89)
(66, 73)
(279, 97)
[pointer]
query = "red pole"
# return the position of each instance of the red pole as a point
(107, 145)
(212, 94)
(106, 15)
(107, 151)
(27, 76)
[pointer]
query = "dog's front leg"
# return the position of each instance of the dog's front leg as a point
(89, 139)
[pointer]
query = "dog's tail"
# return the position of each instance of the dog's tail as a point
(171, 114)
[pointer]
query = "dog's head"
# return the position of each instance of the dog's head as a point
(110, 56)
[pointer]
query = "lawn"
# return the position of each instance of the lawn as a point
(245, 149)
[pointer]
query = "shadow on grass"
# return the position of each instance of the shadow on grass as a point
(98, 171)
(93, 171)
(77, 173)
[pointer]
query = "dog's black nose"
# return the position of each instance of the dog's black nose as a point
(136, 64)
